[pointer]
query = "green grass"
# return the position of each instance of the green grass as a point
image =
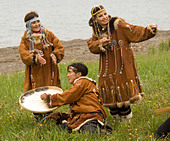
(153, 68)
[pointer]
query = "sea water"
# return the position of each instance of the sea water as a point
(68, 19)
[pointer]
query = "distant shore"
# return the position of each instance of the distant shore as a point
(75, 50)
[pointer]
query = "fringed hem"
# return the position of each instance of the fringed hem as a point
(126, 103)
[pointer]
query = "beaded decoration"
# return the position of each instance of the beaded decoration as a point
(100, 66)
(104, 94)
(118, 88)
(138, 84)
(114, 46)
(43, 39)
(125, 92)
(73, 68)
(107, 62)
(137, 77)
(128, 89)
(106, 52)
(106, 87)
(133, 86)
(98, 33)
(40, 36)
(101, 9)
(94, 91)
(121, 45)
(113, 90)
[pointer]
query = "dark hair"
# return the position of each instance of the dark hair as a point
(30, 16)
(79, 67)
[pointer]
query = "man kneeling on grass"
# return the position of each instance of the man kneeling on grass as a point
(86, 110)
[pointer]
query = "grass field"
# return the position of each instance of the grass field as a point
(154, 71)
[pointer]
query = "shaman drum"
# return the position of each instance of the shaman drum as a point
(32, 102)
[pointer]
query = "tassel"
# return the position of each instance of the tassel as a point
(107, 61)
(100, 66)
(121, 46)
(119, 93)
(104, 94)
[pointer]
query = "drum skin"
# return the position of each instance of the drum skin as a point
(32, 102)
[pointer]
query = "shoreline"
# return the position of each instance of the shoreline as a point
(75, 50)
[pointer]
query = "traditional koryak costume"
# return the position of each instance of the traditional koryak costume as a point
(85, 103)
(118, 76)
(42, 43)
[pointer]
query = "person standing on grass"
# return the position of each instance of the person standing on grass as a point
(40, 51)
(118, 76)
(86, 110)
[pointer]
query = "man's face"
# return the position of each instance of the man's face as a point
(72, 75)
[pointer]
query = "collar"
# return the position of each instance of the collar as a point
(84, 77)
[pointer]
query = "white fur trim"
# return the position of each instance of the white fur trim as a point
(130, 101)
(84, 77)
(75, 129)
(64, 121)
(50, 103)
(129, 116)
(116, 23)
(36, 59)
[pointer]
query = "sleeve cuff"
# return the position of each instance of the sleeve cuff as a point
(49, 100)
(34, 59)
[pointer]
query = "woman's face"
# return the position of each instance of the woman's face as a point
(35, 25)
(102, 18)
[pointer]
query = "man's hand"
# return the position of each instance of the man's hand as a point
(105, 42)
(44, 97)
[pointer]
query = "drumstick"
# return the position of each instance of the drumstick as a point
(162, 110)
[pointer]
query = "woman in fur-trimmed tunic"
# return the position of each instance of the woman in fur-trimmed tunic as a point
(40, 51)
(118, 77)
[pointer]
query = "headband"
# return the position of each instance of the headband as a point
(73, 68)
(93, 14)
(28, 23)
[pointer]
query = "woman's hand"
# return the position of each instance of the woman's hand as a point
(105, 42)
(154, 27)
(53, 58)
(41, 60)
